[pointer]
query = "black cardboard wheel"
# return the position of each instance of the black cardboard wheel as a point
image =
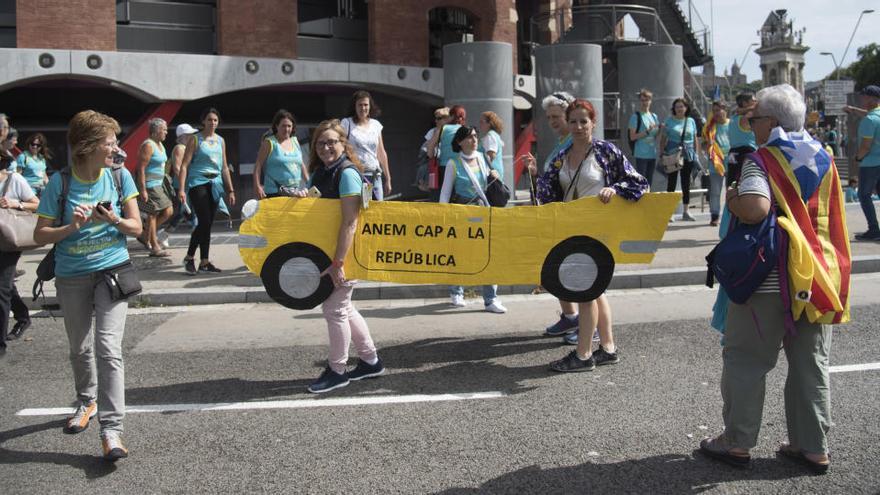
(578, 269)
(291, 276)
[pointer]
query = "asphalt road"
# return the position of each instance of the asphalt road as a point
(628, 428)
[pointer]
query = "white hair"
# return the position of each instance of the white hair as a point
(785, 104)
(559, 99)
(156, 124)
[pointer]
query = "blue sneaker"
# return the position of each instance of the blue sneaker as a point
(572, 338)
(563, 326)
(328, 381)
(364, 370)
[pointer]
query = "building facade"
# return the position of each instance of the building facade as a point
(781, 51)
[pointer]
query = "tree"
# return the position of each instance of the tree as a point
(865, 70)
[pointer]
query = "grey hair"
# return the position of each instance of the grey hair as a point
(5, 117)
(155, 124)
(559, 99)
(13, 133)
(785, 104)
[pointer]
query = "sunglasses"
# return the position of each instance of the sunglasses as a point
(36, 145)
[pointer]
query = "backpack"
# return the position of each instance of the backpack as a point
(46, 268)
(632, 142)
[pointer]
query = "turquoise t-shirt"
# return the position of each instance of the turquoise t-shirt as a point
(207, 162)
(673, 136)
(739, 137)
(645, 147)
(31, 168)
(498, 163)
(282, 168)
(463, 186)
(155, 171)
(96, 246)
(722, 136)
(560, 145)
(869, 127)
(446, 136)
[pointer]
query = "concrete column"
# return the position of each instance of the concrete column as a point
(479, 76)
(575, 68)
(663, 63)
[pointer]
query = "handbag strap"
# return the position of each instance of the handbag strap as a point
(683, 129)
(577, 173)
(473, 178)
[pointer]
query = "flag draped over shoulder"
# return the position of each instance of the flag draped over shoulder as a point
(716, 154)
(806, 187)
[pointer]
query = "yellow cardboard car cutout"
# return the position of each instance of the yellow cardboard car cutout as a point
(569, 248)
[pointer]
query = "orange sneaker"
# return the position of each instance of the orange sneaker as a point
(111, 441)
(80, 419)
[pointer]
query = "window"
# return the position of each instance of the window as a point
(447, 25)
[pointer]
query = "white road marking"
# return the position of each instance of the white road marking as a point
(854, 367)
(278, 404)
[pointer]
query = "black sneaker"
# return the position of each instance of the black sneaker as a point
(571, 362)
(209, 267)
(328, 381)
(18, 329)
(603, 357)
(364, 370)
(190, 267)
(868, 236)
(565, 325)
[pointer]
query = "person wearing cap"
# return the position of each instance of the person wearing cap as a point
(183, 131)
(868, 157)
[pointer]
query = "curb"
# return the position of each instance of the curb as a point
(636, 279)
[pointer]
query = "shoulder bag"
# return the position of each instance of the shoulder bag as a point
(16, 226)
(673, 162)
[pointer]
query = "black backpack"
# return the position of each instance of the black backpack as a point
(632, 142)
(46, 268)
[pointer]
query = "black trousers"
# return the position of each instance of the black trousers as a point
(685, 181)
(201, 201)
(8, 260)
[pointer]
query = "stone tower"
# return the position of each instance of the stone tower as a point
(782, 51)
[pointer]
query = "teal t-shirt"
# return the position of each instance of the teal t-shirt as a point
(737, 137)
(155, 171)
(96, 246)
(207, 161)
(869, 127)
(446, 136)
(31, 168)
(560, 144)
(722, 136)
(282, 168)
(673, 136)
(646, 146)
(498, 163)
(463, 186)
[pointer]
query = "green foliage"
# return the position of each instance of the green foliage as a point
(865, 70)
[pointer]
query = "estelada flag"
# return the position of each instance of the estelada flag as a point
(806, 187)
(716, 154)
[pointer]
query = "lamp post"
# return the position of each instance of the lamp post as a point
(866, 11)
(746, 54)
(833, 59)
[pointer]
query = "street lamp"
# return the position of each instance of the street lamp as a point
(866, 11)
(833, 59)
(746, 54)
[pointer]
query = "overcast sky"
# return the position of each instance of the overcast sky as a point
(829, 24)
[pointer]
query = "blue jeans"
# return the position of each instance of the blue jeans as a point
(869, 179)
(716, 184)
(489, 292)
(645, 168)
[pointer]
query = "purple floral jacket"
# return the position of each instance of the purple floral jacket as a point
(619, 174)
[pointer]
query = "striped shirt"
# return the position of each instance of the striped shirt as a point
(754, 181)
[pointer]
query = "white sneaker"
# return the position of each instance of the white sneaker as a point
(162, 237)
(496, 307)
(687, 217)
(457, 301)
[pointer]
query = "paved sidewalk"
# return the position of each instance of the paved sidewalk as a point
(679, 261)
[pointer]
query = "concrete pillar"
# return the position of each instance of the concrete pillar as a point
(575, 68)
(479, 76)
(653, 67)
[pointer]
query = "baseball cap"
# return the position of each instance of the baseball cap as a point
(185, 129)
(871, 90)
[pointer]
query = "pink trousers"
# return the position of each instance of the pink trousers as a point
(344, 326)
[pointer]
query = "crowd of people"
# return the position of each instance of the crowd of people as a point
(89, 209)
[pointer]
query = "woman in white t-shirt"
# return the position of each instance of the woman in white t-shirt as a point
(364, 133)
(15, 194)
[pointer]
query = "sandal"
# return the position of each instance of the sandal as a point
(159, 254)
(786, 450)
(717, 448)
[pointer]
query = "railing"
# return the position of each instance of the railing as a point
(699, 27)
